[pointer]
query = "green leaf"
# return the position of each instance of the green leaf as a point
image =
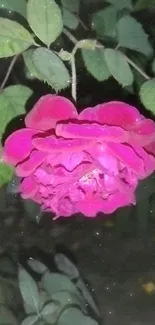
(95, 63)
(87, 295)
(29, 289)
(14, 38)
(37, 266)
(50, 312)
(65, 266)
(14, 5)
(54, 282)
(69, 19)
(132, 35)
(7, 317)
(30, 320)
(104, 22)
(153, 66)
(27, 55)
(143, 4)
(70, 314)
(118, 66)
(147, 95)
(12, 103)
(71, 5)
(121, 4)
(45, 19)
(6, 173)
(52, 68)
(66, 299)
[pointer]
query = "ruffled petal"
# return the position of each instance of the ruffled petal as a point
(52, 144)
(28, 187)
(27, 167)
(92, 131)
(90, 207)
(49, 110)
(112, 113)
(142, 133)
(18, 146)
(118, 200)
(128, 157)
(69, 160)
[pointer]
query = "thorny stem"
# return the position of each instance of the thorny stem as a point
(8, 72)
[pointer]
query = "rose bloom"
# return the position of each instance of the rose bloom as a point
(87, 163)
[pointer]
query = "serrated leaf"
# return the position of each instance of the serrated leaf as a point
(147, 95)
(52, 68)
(45, 19)
(95, 63)
(104, 22)
(29, 289)
(30, 320)
(71, 5)
(121, 4)
(6, 173)
(14, 38)
(118, 66)
(69, 19)
(27, 55)
(132, 35)
(15, 5)
(54, 282)
(7, 317)
(65, 266)
(50, 312)
(12, 103)
(70, 314)
(37, 266)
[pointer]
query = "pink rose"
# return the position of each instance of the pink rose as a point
(86, 163)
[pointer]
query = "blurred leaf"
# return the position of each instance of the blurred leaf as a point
(14, 38)
(54, 282)
(69, 19)
(50, 312)
(30, 320)
(104, 22)
(121, 4)
(32, 210)
(153, 66)
(52, 68)
(45, 19)
(118, 66)
(14, 5)
(44, 298)
(7, 317)
(147, 95)
(95, 64)
(29, 289)
(132, 35)
(37, 266)
(149, 288)
(65, 266)
(143, 4)
(70, 314)
(12, 103)
(6, 173)
(87, 296)
(66, 299)
(27, 55)
(71, 5)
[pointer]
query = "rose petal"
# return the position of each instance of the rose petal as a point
(28, 187)
(90, 207)
(27, 167)
(92, 131)
(51, 144)
(149, 161)
(48, 111)
(128, 157)
(118, 200)
(69, 160)
(112, 113)
(18, 146)
(143, 133)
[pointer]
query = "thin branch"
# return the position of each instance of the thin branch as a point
(70, 36)
(8, 72)
(74, 81)
(135, 66)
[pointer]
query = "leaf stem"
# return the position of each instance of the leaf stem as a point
(135, 66)
(70, 36)
(8, 72)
